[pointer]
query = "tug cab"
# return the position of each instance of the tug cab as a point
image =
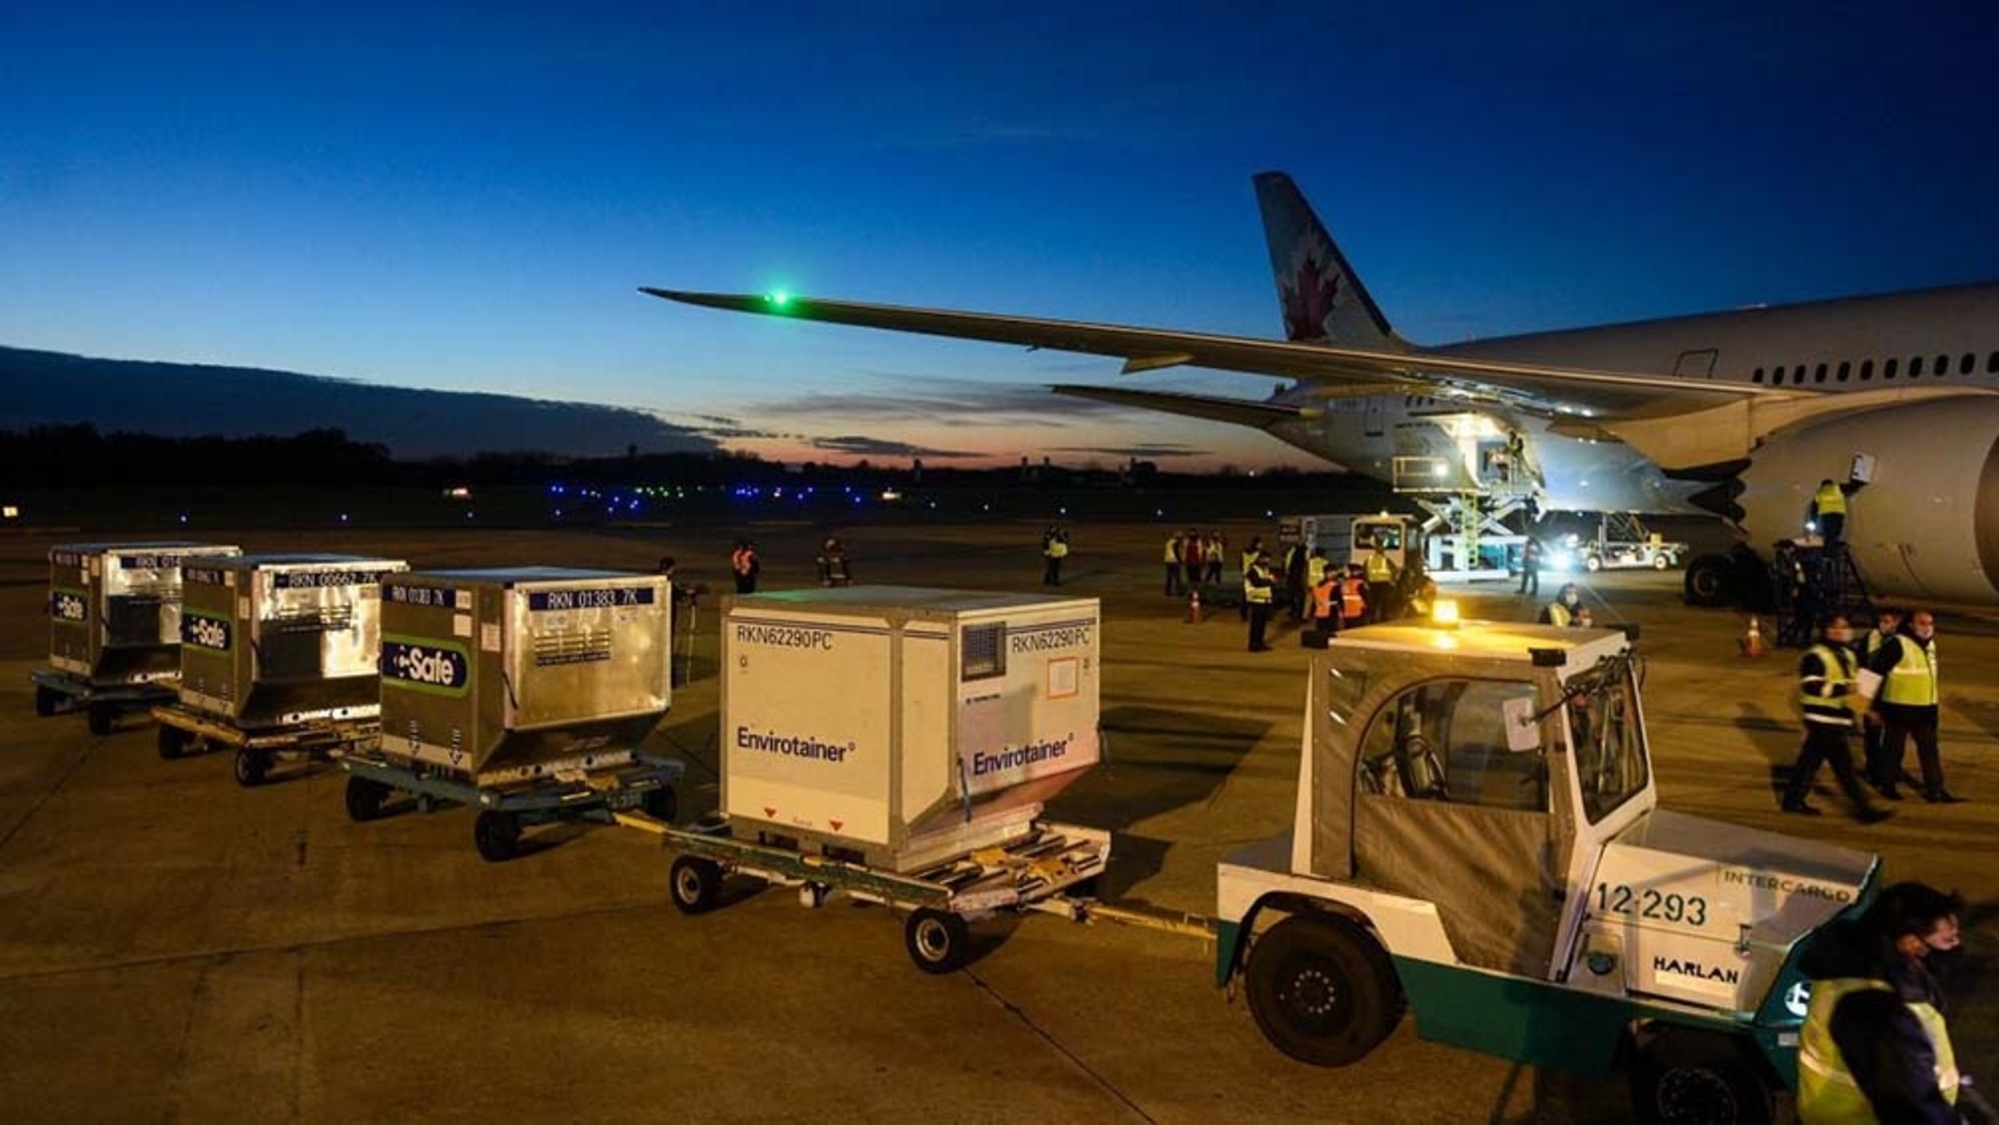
(1477, 839)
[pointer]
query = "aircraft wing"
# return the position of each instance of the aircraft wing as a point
(1146, 349)
(1241, 412)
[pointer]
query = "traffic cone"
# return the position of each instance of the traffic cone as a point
(1193, 605)
(1752, 641)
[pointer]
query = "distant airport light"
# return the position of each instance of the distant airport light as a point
(10, 511)
(459, 492)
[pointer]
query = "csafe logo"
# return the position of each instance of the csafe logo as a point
(202, 631)
(425, 665)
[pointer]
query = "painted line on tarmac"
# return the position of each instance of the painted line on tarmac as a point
(84, 756)
(1075, 1060)
(166, 959)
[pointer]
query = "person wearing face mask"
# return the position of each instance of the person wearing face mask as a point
(1562, 611)
(1826, 676)
(1905, 695)
(1887, 623)
(1875, 1045)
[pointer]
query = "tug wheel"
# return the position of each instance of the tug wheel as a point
(497, 835)
(1321, 990)
(1691, 1076)
(173, 742)
(694, 882)
(47, 699)
(252, 767)
(938, 941)
(101, 720)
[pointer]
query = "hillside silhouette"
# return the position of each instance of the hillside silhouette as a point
(53, 389)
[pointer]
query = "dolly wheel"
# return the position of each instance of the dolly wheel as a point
(47, 700)
(102, 720)
(1687, 1075)
(1322, 990)
(694, 883)
(497, 835)
(173, 742)
(662, 804)
(365, 798)
(938, 940)
(252, 767)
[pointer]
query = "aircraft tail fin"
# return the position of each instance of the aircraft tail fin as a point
(1322, 299)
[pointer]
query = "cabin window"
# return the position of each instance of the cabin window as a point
(1915, 366)
(1757, 377)
(1818, 376)
(1992, 364)
(1777, 376)
(1943, 365)
(1445, 740)
(1888, 367)
(1866, 370)
(1965, 365)
(1845, 369)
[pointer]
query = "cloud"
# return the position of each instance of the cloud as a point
(857, 445)
(931, 400)
(1157, 451)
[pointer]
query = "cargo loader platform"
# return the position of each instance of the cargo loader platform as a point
(634, 789)
(185, 730)
(58, 693)
(1048, 870)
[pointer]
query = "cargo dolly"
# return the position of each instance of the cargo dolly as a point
(1051, 870)
(637, 784)
(184, 730)
(58, 692)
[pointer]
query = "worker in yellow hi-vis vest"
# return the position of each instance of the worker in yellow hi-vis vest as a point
(1875, 1045)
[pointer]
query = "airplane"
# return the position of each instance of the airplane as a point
(1740, 414)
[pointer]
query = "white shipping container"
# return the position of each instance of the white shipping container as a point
(905, 726)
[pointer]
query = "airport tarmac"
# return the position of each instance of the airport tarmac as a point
(173, 947)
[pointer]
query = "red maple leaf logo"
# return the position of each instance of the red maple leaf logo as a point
(1310, 301)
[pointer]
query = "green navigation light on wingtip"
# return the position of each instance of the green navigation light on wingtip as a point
(778, 297)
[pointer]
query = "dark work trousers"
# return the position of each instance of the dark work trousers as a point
(1901, 721)
(1380, 600)
(1051, 575)
(1172, 579)
(1530, 580)
(1870, 745)
(1259, 619)
(1825, 742)
(1832, 529)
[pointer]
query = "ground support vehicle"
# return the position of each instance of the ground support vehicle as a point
(58, 692)
(601, 793)
(1477, 838)
(1618, 542)
(1049, 869)
(185, 730)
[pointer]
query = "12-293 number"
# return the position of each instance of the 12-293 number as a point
(1670, 906)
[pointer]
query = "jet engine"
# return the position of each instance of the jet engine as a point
(1925, 524)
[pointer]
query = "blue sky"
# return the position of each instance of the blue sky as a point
(468, 197)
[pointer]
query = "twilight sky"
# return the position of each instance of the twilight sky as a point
(467, 197)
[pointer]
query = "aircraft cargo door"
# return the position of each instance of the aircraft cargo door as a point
(1373, 419)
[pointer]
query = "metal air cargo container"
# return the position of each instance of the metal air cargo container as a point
(278, 640)
(114, 625)
(501, 676)
(901, 727)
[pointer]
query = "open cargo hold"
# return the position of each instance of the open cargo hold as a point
(115, 608)
(278, 640)
(901, 727)
(505, 675)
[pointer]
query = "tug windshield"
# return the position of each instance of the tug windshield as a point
(1607, 732)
